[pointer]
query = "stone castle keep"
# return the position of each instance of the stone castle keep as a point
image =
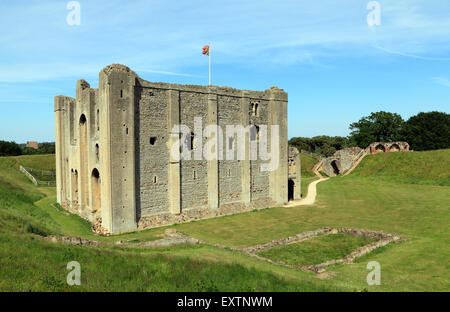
(113, 160)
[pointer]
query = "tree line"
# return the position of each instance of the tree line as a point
(14, 149)
(424, 131)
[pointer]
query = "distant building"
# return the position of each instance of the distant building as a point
(344, 159)
(382, 147)
(33, 144)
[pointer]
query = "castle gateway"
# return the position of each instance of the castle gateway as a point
(116, 166)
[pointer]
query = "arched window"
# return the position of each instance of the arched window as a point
(96, 191)
(394, 148)
(335, 167)
(291, 189)
(254, 132)
(380, 148)
(82, 119)
(84, 173)
(254, 108)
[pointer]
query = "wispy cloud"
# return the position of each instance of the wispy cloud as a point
(166, 36)
(442, 81)
(420, 57)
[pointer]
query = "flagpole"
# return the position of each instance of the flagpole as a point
(209, 63)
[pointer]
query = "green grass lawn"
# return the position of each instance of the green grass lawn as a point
(307, 164)
(421, 212)
(28, 263)
(317, 250)
(41, 162)
(430, 167)
(379, 201)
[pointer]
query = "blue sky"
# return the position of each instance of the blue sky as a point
(335, 67)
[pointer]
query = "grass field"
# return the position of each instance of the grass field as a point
(378, 200)
(29, 264)
(307, 164)
(317, 250)
(431, 167)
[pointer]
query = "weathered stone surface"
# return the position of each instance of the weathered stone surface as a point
(294, 174)
(381, 147)
(341, 161)
(345, 159)
(113, 146)
(173, 239)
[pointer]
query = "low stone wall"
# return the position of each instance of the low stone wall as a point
(173, 238)
(383, 239)
(285, 241)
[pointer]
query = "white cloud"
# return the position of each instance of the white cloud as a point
(442, 81)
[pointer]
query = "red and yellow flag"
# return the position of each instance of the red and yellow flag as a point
(205, 50)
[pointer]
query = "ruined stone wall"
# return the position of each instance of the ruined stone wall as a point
(341, 161)
(77, 136)
(344, 159)
(382, 147)
(294, 173)
(114, 163)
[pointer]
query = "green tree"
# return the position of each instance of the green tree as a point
(46, 148)
(28, 151)
(9, 149)
(380, 126)
(428, 131)
(324, 145)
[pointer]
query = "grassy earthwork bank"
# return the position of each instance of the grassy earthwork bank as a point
(430, 167)
(28, 263)
(411, 200)
(307, 164)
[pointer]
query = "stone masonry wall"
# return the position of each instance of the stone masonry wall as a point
(113, 146)
(151, 116)
(194, 173)
(229, 170)
(259, 180)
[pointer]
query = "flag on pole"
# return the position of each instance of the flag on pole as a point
(205, 50)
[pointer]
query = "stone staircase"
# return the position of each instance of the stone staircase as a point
(357, 160)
